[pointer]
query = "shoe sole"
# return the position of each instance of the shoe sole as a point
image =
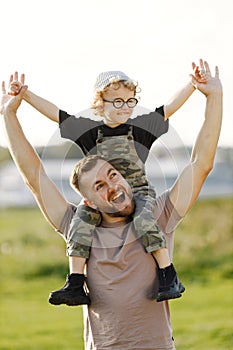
(168, 297)
(172, 296)
(56, 302)
(59, 301)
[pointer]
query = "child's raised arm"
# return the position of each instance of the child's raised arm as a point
(43, 106)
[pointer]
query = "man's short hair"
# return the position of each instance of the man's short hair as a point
(84, 165)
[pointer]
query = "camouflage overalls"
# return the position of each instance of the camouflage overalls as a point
(121, 153)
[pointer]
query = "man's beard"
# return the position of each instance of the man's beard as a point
(118, 214)
(121, 213)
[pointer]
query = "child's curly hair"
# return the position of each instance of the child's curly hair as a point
(98, 104)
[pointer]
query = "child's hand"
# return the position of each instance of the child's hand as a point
(198, 73)
(15, 85)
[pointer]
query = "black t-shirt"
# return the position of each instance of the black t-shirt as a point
(84, 131)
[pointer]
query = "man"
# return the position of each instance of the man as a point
(123, 313)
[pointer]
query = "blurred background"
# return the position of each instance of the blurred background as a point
(62, 47)
(163, 166)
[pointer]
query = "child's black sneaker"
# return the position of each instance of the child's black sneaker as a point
(181, 287)
(72, 293)
(169, 285)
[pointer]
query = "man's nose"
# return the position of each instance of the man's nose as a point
(112, 187)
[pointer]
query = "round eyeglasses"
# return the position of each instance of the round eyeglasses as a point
(119, 102)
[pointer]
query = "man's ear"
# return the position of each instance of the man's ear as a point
(89, 204)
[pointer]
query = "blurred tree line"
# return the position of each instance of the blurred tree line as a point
(69, 150)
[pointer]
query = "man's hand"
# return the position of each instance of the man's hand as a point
(204, 81)
(11, 103)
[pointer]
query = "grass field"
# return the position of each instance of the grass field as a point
(33, 262)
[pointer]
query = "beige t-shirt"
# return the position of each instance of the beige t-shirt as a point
(122, 282)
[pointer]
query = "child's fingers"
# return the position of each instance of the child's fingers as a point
(194, 81)
(14, 88)
(22, 90)
(193, 65)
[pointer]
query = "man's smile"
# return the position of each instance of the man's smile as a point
(117, 197)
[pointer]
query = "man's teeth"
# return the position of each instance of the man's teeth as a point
(117, 196)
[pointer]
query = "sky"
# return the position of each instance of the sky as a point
(62, 46)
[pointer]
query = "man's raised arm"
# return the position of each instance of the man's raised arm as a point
(51, 202)
(187, 187)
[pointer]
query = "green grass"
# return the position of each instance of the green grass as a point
(33, 262)
(202, 319)
(29, 322)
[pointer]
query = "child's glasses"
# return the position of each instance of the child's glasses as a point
(119, 102)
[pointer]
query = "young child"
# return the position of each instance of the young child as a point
(125, 142)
